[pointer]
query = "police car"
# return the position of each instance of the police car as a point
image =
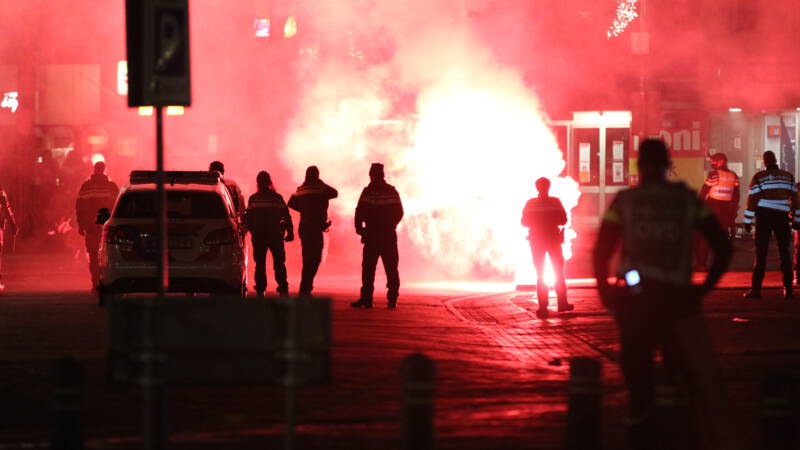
(205, 238)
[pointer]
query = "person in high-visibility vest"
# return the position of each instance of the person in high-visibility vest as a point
(720, 192)
(773, 203)
(654, 302)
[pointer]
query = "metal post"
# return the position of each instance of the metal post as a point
(66, 427)
(154, 417)
(418, 429)
(291, 373)
(584, 404)
(161, 201)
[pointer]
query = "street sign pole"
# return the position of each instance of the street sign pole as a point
(291, 373)
(154, 414)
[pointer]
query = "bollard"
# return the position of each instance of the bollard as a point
(585, 404)
(66, 427)
(418, 375)
(778, 423)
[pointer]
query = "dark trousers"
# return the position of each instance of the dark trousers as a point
(726, 215)
(647, 324)
(273, 244)
(769, 222)
(540, 248)
(92, 238)
(384, 246)
(312, 242)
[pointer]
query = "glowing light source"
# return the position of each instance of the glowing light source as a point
(10, 101)
(261, 27)
(626, 12)
(290, 28)
(735, 109)
(97, 157)
(122, 78)
(171, 110)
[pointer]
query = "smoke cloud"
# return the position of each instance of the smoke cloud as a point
(462, 136)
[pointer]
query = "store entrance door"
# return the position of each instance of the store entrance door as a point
(599, 160)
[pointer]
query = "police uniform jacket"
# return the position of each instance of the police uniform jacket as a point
(236, 195)
(656, 221)
(267, 215)
(543, 216)
(721, 185)
(96, 193)
(379, 208)
(772, 189)
(311, 201)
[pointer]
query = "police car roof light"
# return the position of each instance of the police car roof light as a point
(175, 176)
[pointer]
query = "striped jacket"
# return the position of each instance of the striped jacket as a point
(772, 189)
(96, 193)
(267, 215)
(311, 201)
(379, 208)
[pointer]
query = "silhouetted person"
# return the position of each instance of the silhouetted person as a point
(268, 220)
(772, 200)
(658, 303)
(8, 222)
(378, 212)
(96, 193)
(720, 192)
(233, 188)
(544, 216)
(311, 201)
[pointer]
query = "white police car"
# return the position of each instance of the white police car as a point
(205, 238)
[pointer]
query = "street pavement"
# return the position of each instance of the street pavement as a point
(501, 373)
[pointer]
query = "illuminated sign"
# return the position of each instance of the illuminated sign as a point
(261, 27)
(171, 110)
(10, 101)
(290, 28)
(122, 78)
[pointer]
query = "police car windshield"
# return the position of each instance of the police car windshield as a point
(180, 205)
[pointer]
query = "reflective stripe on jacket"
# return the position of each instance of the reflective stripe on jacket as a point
(722, 184)
(773, 189)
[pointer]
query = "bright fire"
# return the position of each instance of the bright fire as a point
(470, 172)
(463, 142)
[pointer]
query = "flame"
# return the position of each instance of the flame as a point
(463, 142)
(468, 175)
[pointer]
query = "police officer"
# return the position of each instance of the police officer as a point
(771, 201)
(268, 220)
(6, 220)
(311, 201)
(655, 221)
(233, 188)
(543, 216)
(96, 193)
(378, 212)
